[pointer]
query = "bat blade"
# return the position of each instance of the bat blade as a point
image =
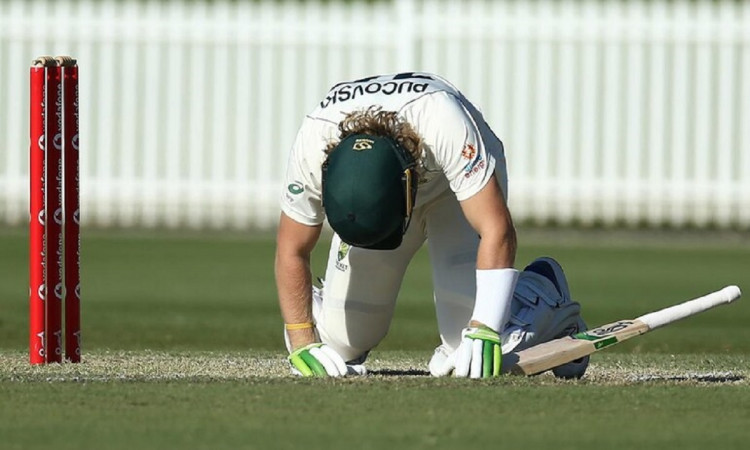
(548, 355)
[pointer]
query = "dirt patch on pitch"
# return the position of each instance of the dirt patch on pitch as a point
(145, 366)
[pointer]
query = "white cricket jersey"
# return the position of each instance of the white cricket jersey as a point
(461, 151)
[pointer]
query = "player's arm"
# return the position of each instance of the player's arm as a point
(480, 353)
(294, 245)
(298, 232)
(488, 214)
(469, 167)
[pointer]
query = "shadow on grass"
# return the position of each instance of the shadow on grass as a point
(700, 378)
(399, 373)
(717, 378)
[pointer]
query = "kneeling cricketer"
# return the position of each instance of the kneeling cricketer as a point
(392, 162)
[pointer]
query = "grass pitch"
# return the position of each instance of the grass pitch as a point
(182, 349)
(248, 400)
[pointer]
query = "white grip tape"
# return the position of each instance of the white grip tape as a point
(673, 313)
(476, 358)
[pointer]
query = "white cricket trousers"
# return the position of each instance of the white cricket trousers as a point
(361, 286)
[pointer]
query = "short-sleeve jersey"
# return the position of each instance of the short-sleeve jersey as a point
(460, 151)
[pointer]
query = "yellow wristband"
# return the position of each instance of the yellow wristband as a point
(298, 326)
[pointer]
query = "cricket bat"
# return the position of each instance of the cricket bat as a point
(547, 355)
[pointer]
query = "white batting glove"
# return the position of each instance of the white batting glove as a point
(480, 354)
(318, 360)
(443, 362)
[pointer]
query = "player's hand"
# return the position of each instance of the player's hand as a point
(443, 361)
(479, 355)
(317, 360)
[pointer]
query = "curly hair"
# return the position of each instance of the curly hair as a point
(376, 122)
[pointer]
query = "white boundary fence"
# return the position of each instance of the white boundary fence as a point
(611, 111)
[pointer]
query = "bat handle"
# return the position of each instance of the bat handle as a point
(673, 313)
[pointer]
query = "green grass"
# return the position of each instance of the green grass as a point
(233, 400)
(422, 413)
(182, 349)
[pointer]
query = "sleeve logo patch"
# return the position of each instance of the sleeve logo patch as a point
(474, 166)
(296, 188)
(469, 151)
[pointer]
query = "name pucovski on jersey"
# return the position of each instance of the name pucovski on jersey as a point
(343, 92)
(393, 90)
